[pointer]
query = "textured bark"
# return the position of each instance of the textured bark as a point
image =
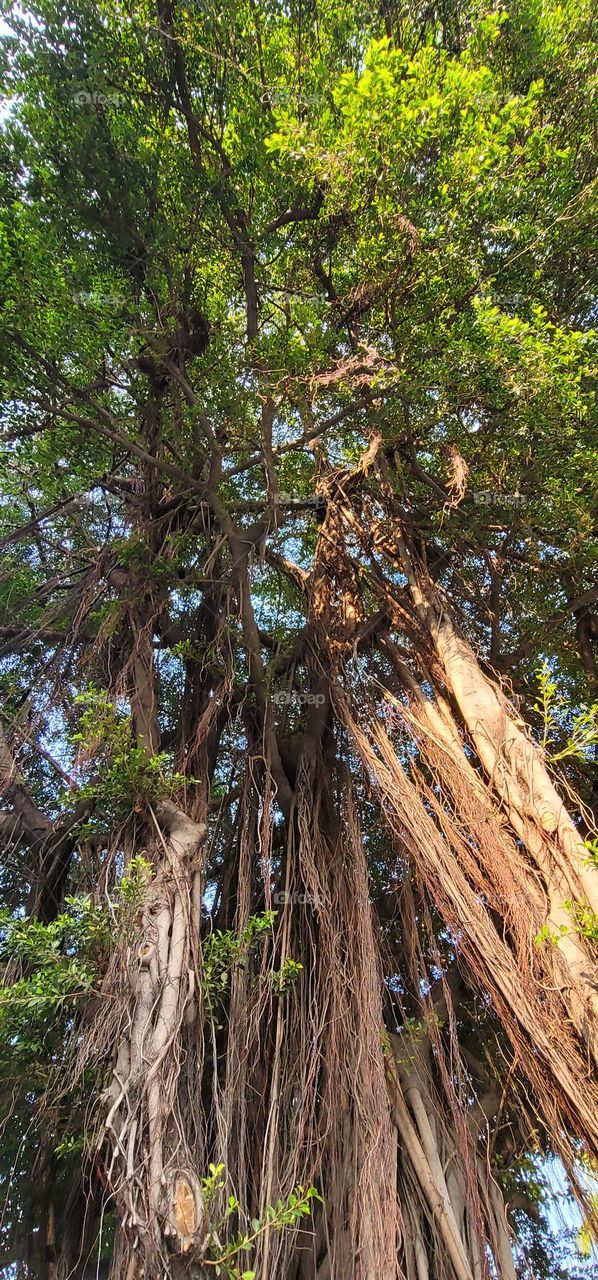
(148, 1165)
(536, 811)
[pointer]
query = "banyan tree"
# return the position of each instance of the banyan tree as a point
(298, 622)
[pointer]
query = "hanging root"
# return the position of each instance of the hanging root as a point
(305, 1084)
(324, 1081)
(450, 863)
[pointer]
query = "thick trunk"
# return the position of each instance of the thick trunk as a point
(518, 779)
(148, 1161)
(537, 814)
(447, 859)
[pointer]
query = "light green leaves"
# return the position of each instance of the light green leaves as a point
(284, 1214)
(223, 949)
(566, 733)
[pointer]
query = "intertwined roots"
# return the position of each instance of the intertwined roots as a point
(305, 1085)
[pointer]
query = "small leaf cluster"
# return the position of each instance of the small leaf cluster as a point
(585, 923)
(551, 706)
(123, 776)
(284, 1213)
(223, 949)
(132, 893)
(284, 978)
(53, 968)
(586, 1235)
(585, 920)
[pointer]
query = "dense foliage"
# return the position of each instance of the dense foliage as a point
(298, 627)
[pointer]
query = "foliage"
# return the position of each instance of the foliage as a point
(123, 777)
(585, 923)
(239, 243)
(57, 958)
(276, 1217)
(581, 727)
(284, 979)
(223, 949)
(585, 1237)
(50, 971)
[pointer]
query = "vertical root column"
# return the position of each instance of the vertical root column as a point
(150, 1167)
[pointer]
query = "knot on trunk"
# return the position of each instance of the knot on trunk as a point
(184, 1210)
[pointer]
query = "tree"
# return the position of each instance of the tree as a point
(298, 639)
